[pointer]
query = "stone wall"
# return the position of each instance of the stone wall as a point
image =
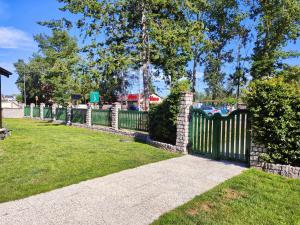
(283, 170)
(12, 113)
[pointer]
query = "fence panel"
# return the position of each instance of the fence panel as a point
(27, 111)
(78, 116)
(47, 112)
(61, 114)
(101, 117)
(36, 112)
(220, 137)
(134, 120)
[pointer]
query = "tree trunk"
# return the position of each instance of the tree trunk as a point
(194, 74)
(145, 60)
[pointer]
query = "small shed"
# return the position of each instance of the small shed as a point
(6, 73)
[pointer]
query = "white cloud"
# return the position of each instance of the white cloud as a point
(12, 38)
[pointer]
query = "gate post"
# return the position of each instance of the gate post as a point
(89, 116)
(53, 108)
(31, 110)
(69, 115)
(115, 115)
(216, 136)
(182, 135)
(42, 106)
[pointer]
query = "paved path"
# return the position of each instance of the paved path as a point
(135, 196)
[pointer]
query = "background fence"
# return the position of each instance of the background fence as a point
(47, 112)
(220, 137)
(36, 112)
(78, 116)
(134, 120)
(61, 114)
(101, 117)
(27, 111)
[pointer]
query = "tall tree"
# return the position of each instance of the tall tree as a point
(49, 73)
(278, 23)
(223, 23)
(60, 54)
(143, 35)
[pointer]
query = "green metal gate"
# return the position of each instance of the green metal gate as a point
(134, 120)
(36, 112)
(27, 111)
(61, 114)
(101, 117)
(78, 116)
(220, 137)
(47, 112)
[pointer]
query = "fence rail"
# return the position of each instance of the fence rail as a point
(27, 111)
(134, 120)
(47, 112)
(61, 114)
(220, 137)
(78, 116)
(101, 117)
(36, 112)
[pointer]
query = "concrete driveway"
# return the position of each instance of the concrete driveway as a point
(135, 196)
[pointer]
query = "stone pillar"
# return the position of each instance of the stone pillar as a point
(31, 110)
(53, 108)
(23, 109)
(115, 115)
(42, 106)
(69, 115)
(89, 116)
(182, 137)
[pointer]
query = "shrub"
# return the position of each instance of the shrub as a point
(163, 117)
(275, 108)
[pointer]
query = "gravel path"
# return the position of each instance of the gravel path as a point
(135, 196)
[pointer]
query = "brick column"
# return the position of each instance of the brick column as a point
(89, 116)
(115, 115)
(182, 137)
(42, 106)
(31, 110)
(53, 108)
(69, 115)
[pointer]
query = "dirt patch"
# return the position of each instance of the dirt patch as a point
(192, 212)
(203, 206)
(232, 194)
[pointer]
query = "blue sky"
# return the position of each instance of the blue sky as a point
(18, 24)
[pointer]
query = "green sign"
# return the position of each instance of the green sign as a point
(94, 97)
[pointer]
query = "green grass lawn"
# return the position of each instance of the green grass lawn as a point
(41, 156)
(254, 197)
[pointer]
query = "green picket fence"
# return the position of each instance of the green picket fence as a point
(36, 112)
(101, 117)
(47, 112)
(134, 120)
(220, 137)
(61, 114)
(78, 116)
(27, 111)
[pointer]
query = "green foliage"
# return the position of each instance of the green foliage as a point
(278, 24)
(163, 117)
(231, 100)
(275, 108)
(49, 73)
